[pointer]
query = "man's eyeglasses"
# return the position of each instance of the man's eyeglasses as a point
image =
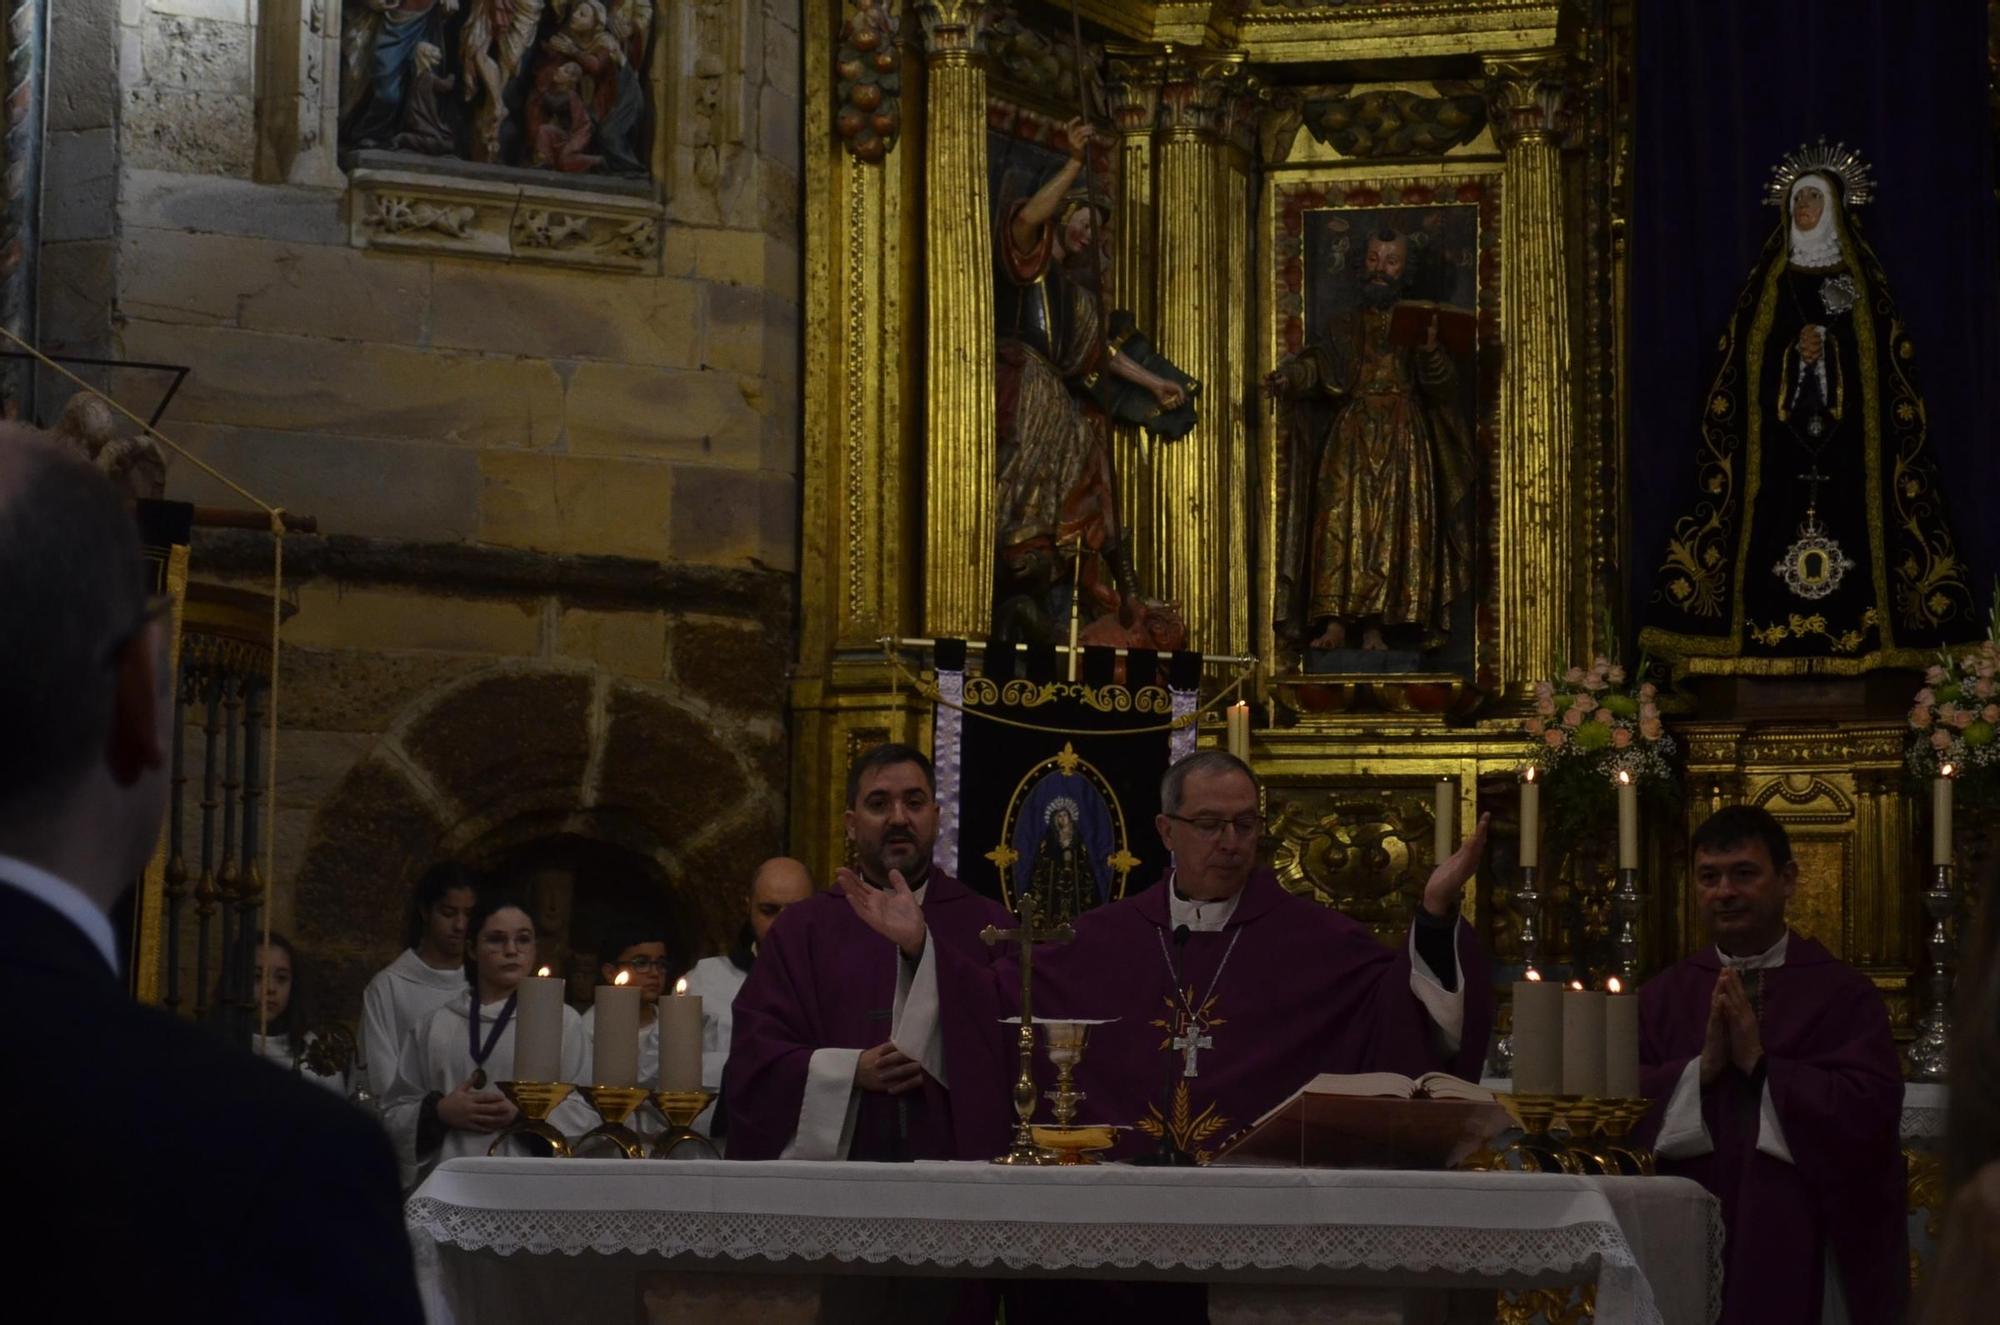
(1209, 827)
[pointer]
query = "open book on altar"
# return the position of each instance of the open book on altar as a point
(1373, 1120)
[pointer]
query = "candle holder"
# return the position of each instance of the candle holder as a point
(533, 1102)
(1588, 1118)
(1528, 900)
(681, 1108)
(1616, 1124)
(614, 1104)
(1930, 1056)
(1537, 1148)
(1627, 903)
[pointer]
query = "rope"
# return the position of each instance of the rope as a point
(931, 692)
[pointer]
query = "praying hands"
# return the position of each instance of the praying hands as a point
(1733, 1034)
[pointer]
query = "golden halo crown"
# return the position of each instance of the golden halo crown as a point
(1857, 184)
(1062, 803)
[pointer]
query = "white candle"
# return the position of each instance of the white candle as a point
(1446, 818)
(1531, 821)
(1628, 822)
(1239, 730)
(615, 1044)
(1583, 1042)
(1537, 1036)
(1941, 817)
(1621, 1043)
(538, 1028)
(680, 1040)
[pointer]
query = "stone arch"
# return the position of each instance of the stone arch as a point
(522, 752)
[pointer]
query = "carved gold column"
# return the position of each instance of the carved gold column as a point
(1133, 92)
(1539, 547)
(959, 411)
(1198, 476)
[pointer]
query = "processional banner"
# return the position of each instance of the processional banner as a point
(1050, 786)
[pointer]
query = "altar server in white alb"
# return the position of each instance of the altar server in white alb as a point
(636, 949)
(429, 973)
(778, 883)
(444, 1103)
(285, 1042)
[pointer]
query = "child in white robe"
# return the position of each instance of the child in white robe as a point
(429, 972)
(285, 1042)
(445, 1102)
(639, 950)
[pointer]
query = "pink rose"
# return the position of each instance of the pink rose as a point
(1648, 693)
(1573, 718)
(1649, 710)
(1983, 687)
(1616, 676)
(1650, 728)
(1545, 690)
(1961, 718)
(1535, 726)
(1600, 664)
(1934, 674)
(1941, 740)
(1621, 737)
(1555, 737)
(1920, 716)
(1927, 697)
(1604, 716)
(1546, 707)
(1991, 713)
(1574, 676)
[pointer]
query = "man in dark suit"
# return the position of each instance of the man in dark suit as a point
(153, 1170)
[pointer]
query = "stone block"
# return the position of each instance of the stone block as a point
(616, 409)
(370, 840)
(780, 195)
(82, 77)
(783, 67)
(336, 690)
(335, 292)
(722, 516)
(577, 314)
(666, 764)
(311, 764)
(507, 742)
(354, 485)
(76, 288)
(187, 54)
(294, 384)
(168, 200)
(745, 257)
(630, 644)
(80, 197)
(740, 666)
(331, 617)
(195, 133)
(565, 504)
(779, 126)
(222, 11)
(733, 329)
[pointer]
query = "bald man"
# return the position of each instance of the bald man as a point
(778, 883)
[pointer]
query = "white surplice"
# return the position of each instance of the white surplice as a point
(277, 1051)
(437, 1057)
(399, 997)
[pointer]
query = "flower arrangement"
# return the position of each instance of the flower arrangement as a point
(1955, 718)
(1585, 730)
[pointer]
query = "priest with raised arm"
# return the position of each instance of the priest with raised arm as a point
(1776, 1085)
(814, 1071)
(1228, 992)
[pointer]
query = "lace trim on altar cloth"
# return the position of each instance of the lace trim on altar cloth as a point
(1573, 1252)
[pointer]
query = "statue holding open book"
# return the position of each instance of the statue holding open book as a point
(1376, 429)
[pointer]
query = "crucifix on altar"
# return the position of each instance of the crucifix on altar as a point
(1026, 934)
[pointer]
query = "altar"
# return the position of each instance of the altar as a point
(616, 1240)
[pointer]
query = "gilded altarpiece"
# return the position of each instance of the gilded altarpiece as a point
(1225, 132)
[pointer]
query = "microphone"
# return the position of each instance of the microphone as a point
(1169, 1155)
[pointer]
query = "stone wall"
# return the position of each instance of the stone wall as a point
(554, 590)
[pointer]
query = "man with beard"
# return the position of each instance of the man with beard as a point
(1054, 344)
(1374, 535)
(813, 1070)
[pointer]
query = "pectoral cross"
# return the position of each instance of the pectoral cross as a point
(1812, 478)
(1191, 1042)
(1026, 933)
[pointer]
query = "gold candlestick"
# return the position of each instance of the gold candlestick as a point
(1620, 1117)
(681, 1108)
(1537, 1148)
(614, 1104)
(533, 1102)
(1026, 935)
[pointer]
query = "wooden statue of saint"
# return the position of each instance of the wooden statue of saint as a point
(1816, 537)
(1067, 370)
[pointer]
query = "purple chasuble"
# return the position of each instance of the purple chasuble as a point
(824, 980)
(1837, 1086)
(1303, 990)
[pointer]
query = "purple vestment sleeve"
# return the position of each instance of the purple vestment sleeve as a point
(1835, 1083)
(776, 1030)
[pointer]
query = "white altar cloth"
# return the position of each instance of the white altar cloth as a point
(1652, 1246)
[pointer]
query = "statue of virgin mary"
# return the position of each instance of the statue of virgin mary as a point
(1816, 539)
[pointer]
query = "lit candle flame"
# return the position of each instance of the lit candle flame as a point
(681, 985)
(544, 973)
(1948, 770)
(1576, 985)
(1615, 985)
(1533, 974)
(624, 978)
(1624, 775)
(1530, 774)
